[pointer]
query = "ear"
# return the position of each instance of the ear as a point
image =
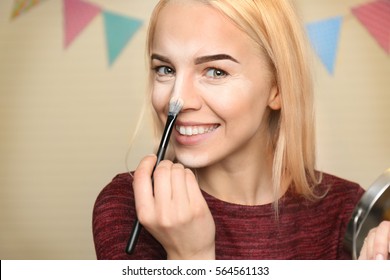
(274, 101)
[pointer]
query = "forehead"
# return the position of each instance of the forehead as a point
(189, 23)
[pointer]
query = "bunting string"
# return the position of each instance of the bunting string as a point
(324, 34)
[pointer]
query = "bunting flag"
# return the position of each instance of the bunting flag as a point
(119, 30)
(324, 36)
(22, 6)
(77, 15)
(375, 16)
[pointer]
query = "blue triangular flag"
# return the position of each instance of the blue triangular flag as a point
(119, 30)
(324, 36)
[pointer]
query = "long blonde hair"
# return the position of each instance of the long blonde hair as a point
(277, 31)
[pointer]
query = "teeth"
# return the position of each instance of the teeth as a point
(194, 130)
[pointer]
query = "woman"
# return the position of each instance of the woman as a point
(241, 181)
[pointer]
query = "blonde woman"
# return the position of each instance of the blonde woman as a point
(241, 182)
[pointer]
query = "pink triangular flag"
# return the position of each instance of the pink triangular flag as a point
(77, 15)
(375, 16)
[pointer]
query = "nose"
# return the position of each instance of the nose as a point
(185, 88)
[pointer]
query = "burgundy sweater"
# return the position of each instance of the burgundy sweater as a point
(304, 230)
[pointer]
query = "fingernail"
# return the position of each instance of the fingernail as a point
(379, 257)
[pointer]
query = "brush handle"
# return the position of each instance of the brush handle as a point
(133, 237)
(160, 156)
(165, 139)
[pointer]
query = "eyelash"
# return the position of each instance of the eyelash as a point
(217, 70)
(223, 73)
(158, 68)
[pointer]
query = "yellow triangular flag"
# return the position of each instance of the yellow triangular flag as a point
(22, 6)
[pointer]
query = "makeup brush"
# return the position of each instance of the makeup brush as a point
(175, 106)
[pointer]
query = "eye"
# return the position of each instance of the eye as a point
(164, 71)
(216, 73)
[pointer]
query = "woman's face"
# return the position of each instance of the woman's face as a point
(200, 56)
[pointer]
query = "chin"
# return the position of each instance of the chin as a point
(191, 160)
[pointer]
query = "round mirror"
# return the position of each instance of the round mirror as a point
(373, 208)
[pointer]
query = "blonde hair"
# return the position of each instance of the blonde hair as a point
(276, 29)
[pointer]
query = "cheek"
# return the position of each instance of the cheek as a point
(235, 100)
(243, 106)
(160, 99)
(223, 100)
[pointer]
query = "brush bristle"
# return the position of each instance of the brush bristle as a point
(175, 106)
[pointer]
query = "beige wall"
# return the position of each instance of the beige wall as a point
(66, 119)
(353, 106)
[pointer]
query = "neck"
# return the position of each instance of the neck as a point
(246, 182)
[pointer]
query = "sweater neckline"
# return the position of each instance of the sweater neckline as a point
(236, 206)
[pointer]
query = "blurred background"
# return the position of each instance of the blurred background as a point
(72, 84)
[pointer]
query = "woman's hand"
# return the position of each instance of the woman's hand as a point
(176, 214)
(377, 243)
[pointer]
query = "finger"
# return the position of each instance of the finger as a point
(363, 251)
(370, 244)
(197, 200)
(381, 242)
(179, 187)
(388, 241)
(370, 241)
(367, 248)
(142, 185)
(162, 186)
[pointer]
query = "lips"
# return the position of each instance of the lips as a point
(189, 130)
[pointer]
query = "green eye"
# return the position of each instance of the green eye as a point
(216, 73)
(164, 71)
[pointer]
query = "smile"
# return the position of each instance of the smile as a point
(195, 130)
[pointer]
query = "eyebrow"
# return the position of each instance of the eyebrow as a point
(209, 58)
(160, 57)
(199, 60)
